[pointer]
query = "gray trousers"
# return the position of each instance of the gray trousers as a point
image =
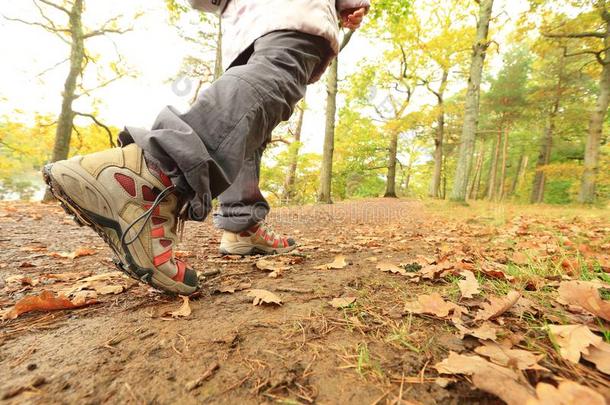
(214, 149)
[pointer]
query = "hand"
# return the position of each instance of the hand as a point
(352, 18)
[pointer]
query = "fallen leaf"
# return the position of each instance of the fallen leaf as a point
(342, 302)
(433, 304)
(25, 265)
(512, 358)
(183, 312)
(46, 301)
(267, 265)
(567, 393)
(80, 252)
(469, 287)
(586, 295)
(67, 276)
(83, 296)
(599, 355)
(391, 268)
(232, 288)
(264, 297)
(108, 289)
(183, 254)
(500, 381)
(497, 306)
(340, 262)
(485, 332)
(573, 340)
(520, 258)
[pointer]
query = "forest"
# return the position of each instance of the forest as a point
(461, 102)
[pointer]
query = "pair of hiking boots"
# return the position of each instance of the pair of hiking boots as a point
(135, 208)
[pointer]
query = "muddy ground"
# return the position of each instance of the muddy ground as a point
(127, 349)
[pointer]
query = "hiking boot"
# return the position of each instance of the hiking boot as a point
(132, 206)
(258, 240)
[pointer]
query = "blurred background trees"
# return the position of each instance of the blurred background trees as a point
(408, 118)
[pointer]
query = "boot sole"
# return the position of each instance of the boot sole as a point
(98, 223)
(246, 249)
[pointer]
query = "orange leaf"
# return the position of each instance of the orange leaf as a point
(46, 301)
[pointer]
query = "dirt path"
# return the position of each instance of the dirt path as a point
(127, 349)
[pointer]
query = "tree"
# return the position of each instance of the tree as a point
(326, 170)
(599, 32)
(440, 35)
(71, 31)
(506, 102)
(546, 142)
(471, 116)
(204, 62)
(294, 148)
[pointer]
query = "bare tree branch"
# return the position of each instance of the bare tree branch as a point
(105, 31)
(106, 83)
(577, 35)
(50, 29)
(99, 124)
(52, 67)
(55, 6)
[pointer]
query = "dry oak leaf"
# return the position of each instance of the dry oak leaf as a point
(573, 340)
(434, 304)
(264, 297)
(80, 252)
(340, 262)
(567, 393)
(183, 312)
(469, 287)
(512, 358)
(519, 258)
(497, 306)
(500, 381)
(342, 302)
(391, 268)
(584, 294)
(600, 356)
(46, 301)
(269, 265)
(486, 331)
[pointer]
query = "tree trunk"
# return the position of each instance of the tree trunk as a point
(65, 122)
(326, 170)
(324, 194)
(439, 139)
(502, 186)
(493, 168)
(546, 143)
(471, 114)
(390, 190)
(591, 164)
(291, 176)
(476, 181)
(520, 173)
(544, 158)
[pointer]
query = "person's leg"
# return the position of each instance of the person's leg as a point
(241, 215)
(202, 151)
(242, 205)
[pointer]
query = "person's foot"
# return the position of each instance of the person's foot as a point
(133, 208)
(258, 240)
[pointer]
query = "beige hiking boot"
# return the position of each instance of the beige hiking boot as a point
(258, 240)
(134, 209)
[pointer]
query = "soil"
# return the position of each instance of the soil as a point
(126, 349)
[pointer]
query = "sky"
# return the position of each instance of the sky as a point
(154, 49)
